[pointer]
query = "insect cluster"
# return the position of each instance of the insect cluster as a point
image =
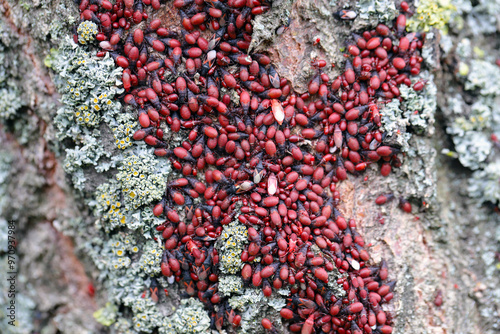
(260, 154)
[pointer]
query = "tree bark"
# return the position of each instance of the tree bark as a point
(447, 247)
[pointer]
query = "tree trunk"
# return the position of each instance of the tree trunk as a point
(444, 254)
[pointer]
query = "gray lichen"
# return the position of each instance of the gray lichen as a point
(44, 22)
(126, 275)
(473, 147)
(87, 30)
(409, 124)
(415, 114)
(421, 173)
(376, 11)
(254, 306)
(190, 318)
(142, 178)
(481, 17)
(10, 103)
(122, 243)
(230, 285)
(483, 76)
(151, 258)
(123, 126)
(88, 86)
(88, 154)
(420, 107)
(485, 184)
(474, 125)
(233, 239)
(140, 181)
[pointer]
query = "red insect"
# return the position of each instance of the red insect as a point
(268, 155)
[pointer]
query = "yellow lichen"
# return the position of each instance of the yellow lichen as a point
(86, 33)
(431, 14)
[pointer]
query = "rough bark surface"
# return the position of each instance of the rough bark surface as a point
(449, 243)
